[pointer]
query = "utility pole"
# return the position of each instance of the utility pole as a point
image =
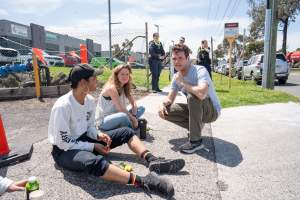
(243, 52)
(212, 52)
(270, 44)
(157, 28)
(109, 35)
(147, 55)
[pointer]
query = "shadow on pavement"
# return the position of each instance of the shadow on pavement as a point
(3, 171)
(229, 154)
(96, 187)
(287, 84)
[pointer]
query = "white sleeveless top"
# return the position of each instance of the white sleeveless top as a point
(105, 107)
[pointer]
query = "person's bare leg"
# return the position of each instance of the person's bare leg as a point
(136, 145)
(113, 173)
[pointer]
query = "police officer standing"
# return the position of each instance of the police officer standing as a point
(157, 53)
(203, 56)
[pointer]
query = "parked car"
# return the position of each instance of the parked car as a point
(99, 62)
(254, 68)
(51, 60)
(70, 59)
(225, 70)
(239, 68)
(9, 56)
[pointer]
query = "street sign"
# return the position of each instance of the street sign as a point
(231, 30)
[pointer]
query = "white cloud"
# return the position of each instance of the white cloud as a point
(293, 41)
(37, 7)
(159, 6)
(194, 29)
(3, 12)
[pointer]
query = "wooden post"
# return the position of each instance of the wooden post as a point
(36, 76)
(230, 40)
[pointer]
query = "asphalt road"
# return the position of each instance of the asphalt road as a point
(292, 86)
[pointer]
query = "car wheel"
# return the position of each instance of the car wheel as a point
(282, 81)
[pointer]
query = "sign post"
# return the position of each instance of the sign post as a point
(231, 32)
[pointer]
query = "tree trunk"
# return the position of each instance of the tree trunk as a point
(284, 33)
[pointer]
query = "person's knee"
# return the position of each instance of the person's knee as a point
(124, 119)
(128, 133)
(122, 136)
(140, 111)
(98, 166)
(192, 98)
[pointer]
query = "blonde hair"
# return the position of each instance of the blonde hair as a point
(113, 80)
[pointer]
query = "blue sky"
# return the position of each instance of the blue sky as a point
(193, 19)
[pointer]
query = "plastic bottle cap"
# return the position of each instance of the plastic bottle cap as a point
(31, 179)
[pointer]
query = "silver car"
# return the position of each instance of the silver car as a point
(254, 69)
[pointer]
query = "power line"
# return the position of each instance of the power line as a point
(220, 27)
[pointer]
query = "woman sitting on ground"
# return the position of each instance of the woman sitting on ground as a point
(111, 111)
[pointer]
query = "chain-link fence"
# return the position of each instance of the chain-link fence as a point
(128, 46)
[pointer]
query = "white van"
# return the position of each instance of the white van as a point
(9, 56)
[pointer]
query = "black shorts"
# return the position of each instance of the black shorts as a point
(91, 162)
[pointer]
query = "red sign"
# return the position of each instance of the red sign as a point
(231, 25)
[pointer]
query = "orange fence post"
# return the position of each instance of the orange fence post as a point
(36, 76)
(83, 53)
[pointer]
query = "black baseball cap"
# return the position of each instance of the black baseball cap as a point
(82, 71)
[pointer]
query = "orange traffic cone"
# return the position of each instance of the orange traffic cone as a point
(4, 149)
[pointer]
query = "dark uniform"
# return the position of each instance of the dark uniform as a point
(203, 59)
(156, 50)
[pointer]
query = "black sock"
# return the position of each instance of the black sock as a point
(148, 156)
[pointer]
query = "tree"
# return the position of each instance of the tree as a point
(298, 49)
(122, 53)
(254, 47)
(287, 12)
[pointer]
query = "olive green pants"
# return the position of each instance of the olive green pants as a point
(192, 115)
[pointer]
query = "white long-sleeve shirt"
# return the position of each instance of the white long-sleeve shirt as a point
(69, 120)
(4, 184)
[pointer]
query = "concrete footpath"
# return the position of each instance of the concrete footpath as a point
(254, 154)
(198, 180)
(264, 162)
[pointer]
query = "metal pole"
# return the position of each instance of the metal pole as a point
(157, 28)
(243, 55)
(212, 52)
(230, 40)
(109, 35)
(270, 44)
(147, 55)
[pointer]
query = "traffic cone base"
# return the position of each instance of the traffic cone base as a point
(8, 157)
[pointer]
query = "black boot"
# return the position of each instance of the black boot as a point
(153, 183)
(162, 165)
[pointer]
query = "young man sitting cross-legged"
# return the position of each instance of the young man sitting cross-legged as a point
(79, 146)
